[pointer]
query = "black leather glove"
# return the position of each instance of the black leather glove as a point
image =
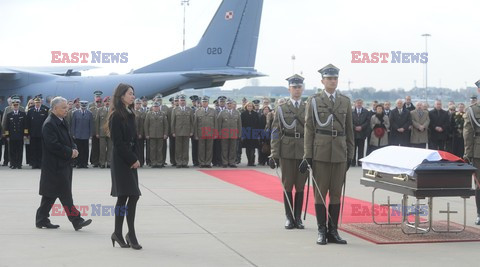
(349, 162)
(273, 163)
(304, 165)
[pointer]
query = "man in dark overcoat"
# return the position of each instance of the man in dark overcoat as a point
(56, 175)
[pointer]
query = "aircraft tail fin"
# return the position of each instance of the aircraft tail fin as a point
(230, 41)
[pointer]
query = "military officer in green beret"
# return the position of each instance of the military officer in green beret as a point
(328, 150)
(287, 149)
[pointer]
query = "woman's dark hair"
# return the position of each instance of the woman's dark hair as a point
(117, 106)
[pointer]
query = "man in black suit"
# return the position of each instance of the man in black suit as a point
(36, 116)
(56, 176)
(361, 125)
(400, 125)
(439, 127)
(386, 107)
(408, 103)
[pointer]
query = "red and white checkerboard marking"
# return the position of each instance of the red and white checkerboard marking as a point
(229, 15)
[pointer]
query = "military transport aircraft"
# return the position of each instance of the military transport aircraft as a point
(226, 51)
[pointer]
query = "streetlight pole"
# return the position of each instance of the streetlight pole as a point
(184, 3)
(426, 35)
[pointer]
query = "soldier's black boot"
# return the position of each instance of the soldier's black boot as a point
(321, 214)
(289, 223)
(332, 235)
(298, 210)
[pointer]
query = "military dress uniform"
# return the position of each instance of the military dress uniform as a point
(165, 110)
(471, 136)
(36, 116)
(105, 141)
(217, 143)
(8, 109)
(229, 130)
(139, 124)
(95, 151)
(182, 128)
(287, 144)
(15, 131)
(156, 130)
(205, 131)
(329, 149)
(171, 138)
(82, 129)
(194, 141)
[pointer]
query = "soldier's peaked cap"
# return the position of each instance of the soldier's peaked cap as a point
(295, 80)
(329, 71)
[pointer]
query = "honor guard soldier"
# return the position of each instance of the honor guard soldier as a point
(95, 152)
(471, 136)
(35, 118)
(15, 132)
(194, 99)
(139, 123)
(105, 142)
(229, 130)
(171, 139)
(182, 130)
(205, 131)
(287, 150)
(156, 131)
(328, 150)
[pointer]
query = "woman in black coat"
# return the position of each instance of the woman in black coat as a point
(121, 126)
(250, 122)
(265, 138)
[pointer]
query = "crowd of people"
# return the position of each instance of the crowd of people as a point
(208, 130)
(408, 124)
(217, 134)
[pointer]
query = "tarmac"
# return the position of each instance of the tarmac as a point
(188, 218)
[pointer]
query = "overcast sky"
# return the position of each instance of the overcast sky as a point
(317, 32)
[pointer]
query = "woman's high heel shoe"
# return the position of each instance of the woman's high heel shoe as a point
(134, 246)
(120, 242)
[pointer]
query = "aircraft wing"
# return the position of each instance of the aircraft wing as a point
(57, 70)
(9, 75)
(228, 74)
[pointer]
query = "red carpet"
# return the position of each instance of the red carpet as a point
(355, 210)
(357, 217)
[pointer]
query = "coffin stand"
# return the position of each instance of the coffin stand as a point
(418, 173)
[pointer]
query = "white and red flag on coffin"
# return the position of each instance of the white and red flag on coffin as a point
(229, 15)
(403, 160)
